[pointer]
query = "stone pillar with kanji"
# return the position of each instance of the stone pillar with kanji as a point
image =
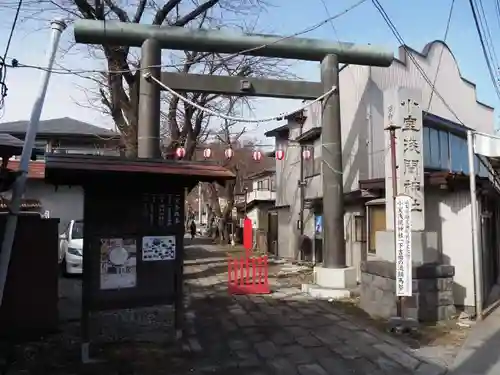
(403, 111)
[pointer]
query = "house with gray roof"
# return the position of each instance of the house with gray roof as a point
(61, 135)
(67, 135)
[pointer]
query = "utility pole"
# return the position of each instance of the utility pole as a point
(333, 182)
(19, 185)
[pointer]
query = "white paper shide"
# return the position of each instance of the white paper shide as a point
(403, 211)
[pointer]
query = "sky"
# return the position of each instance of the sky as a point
(419, 22)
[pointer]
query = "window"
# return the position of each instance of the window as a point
(444, 149)
(435, 153)
(273, 183)
(427, 147)
(359, 229)
(376, 223)
(458, 153)
(77, 230)
(263, 184)
(436, 149)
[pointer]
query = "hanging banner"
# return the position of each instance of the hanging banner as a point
(486, 145)
(402, 210)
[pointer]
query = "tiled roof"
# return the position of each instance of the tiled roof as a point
(58, 126)
(63, 167)
(10, 145)
(36, 168)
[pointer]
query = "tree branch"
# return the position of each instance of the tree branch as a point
(196, 12)
(120, 13)
(140, 11)
(162, 14)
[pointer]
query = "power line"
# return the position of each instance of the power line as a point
(226, 58)
(3, 70)
(484, 48)
(445, 37)
(409, 54)
(488, 38)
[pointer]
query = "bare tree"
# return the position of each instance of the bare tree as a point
(117, 90)
(232, 136)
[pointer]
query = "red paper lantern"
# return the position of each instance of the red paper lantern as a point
(280, 155)
(180, 152)
(229, 153)
(207, 153)
(257, 155)
(306, 154)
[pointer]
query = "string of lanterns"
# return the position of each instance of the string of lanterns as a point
(180, 152)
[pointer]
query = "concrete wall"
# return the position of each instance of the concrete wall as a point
(65, 203)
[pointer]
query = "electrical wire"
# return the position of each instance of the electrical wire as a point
(445, 37)
(391, 25)
(222, 59)
(279, 117)
(409, 54)
(484, 48)
(488, 37)
(3, 70)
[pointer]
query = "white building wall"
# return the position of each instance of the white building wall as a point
(63, 202)
(449, 214)
(253, 214)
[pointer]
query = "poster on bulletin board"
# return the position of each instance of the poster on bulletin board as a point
(318, 224)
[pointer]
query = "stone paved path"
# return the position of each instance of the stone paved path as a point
(283, 333)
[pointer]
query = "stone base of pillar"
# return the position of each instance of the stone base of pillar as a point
(332, 283)
(424, 247)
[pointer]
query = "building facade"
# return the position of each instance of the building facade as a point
(363, 99)
(259, 197)
(66, 136)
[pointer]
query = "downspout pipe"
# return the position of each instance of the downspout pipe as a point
(476, 247)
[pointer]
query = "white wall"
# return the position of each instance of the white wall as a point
(262, 195)
(448, 213)
(355, 251)
(253, 214)
(65, 203)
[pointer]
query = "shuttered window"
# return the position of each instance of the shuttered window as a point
(376, 223)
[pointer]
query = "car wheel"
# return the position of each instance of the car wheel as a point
(64, 269)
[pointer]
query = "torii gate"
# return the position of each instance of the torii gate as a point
(153, 39)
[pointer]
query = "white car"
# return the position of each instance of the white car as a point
(71, 248)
